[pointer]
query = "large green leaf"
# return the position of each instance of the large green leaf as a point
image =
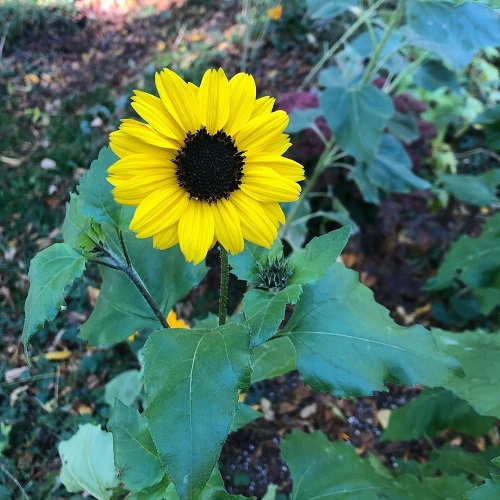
(455, 33)
(474, 189)
(433, 74)
(120, 308)
(318, 256)
(51, 271)
(192, 378)
(489, 490)
(96, 200)
(322, 469)
(87, 462)
(134, 451)
(264, 311)
(357, 117)
(478, 352)
(476, 262)
(274, 357)
(432, 411)
(390, 170)
(347, 344)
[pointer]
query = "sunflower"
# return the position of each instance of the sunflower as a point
(206, 166)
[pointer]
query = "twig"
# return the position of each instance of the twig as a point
(474, 151)
(15, 481)
(4, 37)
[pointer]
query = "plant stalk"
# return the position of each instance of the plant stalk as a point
(224, 285)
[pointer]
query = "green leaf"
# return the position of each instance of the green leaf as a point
(357, 117)
(489, 490)
(475, 261)
(390, 169)
(126, 387)
(478, 352)
(432, 411)
(120, 306)
(347, 344)
(301, 119)
(326, 9)
(4, 436)
(454, 460)
(433, 74)
(191, 378)
(274, 357)
(455, 33)
(96, 200)
(160, 491)
(474, 189)
(51, 271)
(87, 462)
(321, 469)
(404, 127)
(319, 255)
(134, 451)
(244, 414)
(74, 224)
(264, 311)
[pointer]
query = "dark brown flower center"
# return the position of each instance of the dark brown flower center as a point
(209, 167)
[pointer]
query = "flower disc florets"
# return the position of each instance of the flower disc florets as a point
(209, 167)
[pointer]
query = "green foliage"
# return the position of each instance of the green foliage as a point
(51, 271)
(357, 117)
(87, 462)
(167, 276)
(264, 311)
(474, 189)
(273, 358)
(477, 352)
(321, 469)
(96, 200)
(192, 402)
(344, 352)
(454, 33)
(135, 453)
(321, 9)
(126, 387)
(389, 170)
(432, 411)
(475, 263)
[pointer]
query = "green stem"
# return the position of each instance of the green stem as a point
(130, 271)
(224, 285)
(415, 64)
(329, 53)
(396, 16)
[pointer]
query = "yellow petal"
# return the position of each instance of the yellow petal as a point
(242, 94)
(227, 226)
(287, 168)
(263, 106)
(264, 184)
(255, 224)
(158, 211)
(153, 110)
(196, 231)
(274, 212)
(213, 100)
(174, 322)
(167, 237)
(134, 190)
(180, 100)
(261, 131)
(137, 164)
(124, 144)
(148, 134)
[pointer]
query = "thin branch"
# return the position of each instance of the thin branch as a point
(124, 248)
(15, 481)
